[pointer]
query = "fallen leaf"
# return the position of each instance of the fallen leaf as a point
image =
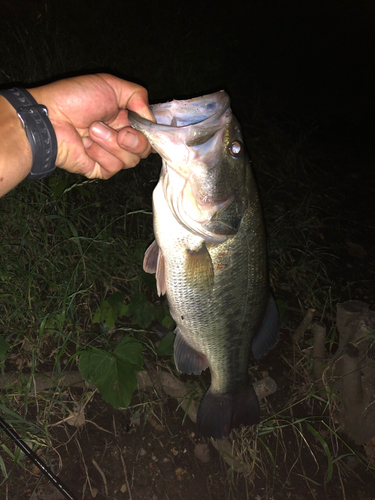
(77, 417)
(355, 250)
(202, 452)
(155, 424)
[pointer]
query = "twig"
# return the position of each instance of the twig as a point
(123, 462)
(86, 470)
(103, 477)
(298, 334)
(125, 474)
(98, 426)
(341, 482)
(319, 330)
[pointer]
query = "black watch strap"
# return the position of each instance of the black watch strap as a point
(39, 131)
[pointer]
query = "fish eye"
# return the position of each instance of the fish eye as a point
(235, 149)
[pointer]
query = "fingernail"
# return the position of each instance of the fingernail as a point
(86, 142)
(130, 140)
(101, 131)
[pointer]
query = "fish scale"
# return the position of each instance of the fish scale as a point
(210, 255)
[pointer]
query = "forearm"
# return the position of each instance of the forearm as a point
(15, 150)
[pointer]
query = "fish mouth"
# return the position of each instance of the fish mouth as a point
(186, 131)
(177, 114)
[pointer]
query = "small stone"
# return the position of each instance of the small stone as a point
(180, 472)
(202, 452)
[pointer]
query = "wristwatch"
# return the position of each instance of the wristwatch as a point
(39, 131)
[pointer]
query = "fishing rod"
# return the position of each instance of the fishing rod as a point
(37, 461)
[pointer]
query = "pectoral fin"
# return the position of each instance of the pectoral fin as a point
(153, 262)
(150, 260)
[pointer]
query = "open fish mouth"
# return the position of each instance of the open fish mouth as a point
(195, 123)
(181, 113)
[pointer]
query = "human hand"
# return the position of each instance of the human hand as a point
(90, 118)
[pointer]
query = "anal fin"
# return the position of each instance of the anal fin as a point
(188, 360)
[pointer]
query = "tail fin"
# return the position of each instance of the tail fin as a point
(219, 413)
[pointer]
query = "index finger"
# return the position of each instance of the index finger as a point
(130, 96)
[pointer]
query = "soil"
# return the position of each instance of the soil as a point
(152, 454)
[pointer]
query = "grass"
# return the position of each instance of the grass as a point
(68, 243)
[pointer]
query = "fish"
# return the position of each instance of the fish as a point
(210, 254)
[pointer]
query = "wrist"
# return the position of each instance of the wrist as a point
(38, 129)
(16, 156)
(43, 95)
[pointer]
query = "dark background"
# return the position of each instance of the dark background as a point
(313, 60)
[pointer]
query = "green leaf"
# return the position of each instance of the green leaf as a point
(110, 309)
(149, 280)
(84, 191)
(124, 311)
(110, 317)
(3, 468)
(105, 313)
(91, 363)
(141, 310)
(319, 437)
(166, 345)
(116, 301)
(130, 350)
(168, 322)
(4, 346)
(115, 374)
(97, 316)
(57, 186)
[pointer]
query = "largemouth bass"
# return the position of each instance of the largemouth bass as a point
(210, 254)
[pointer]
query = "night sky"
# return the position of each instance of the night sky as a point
(310, 58)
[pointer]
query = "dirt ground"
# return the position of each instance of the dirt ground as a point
(150, 452)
